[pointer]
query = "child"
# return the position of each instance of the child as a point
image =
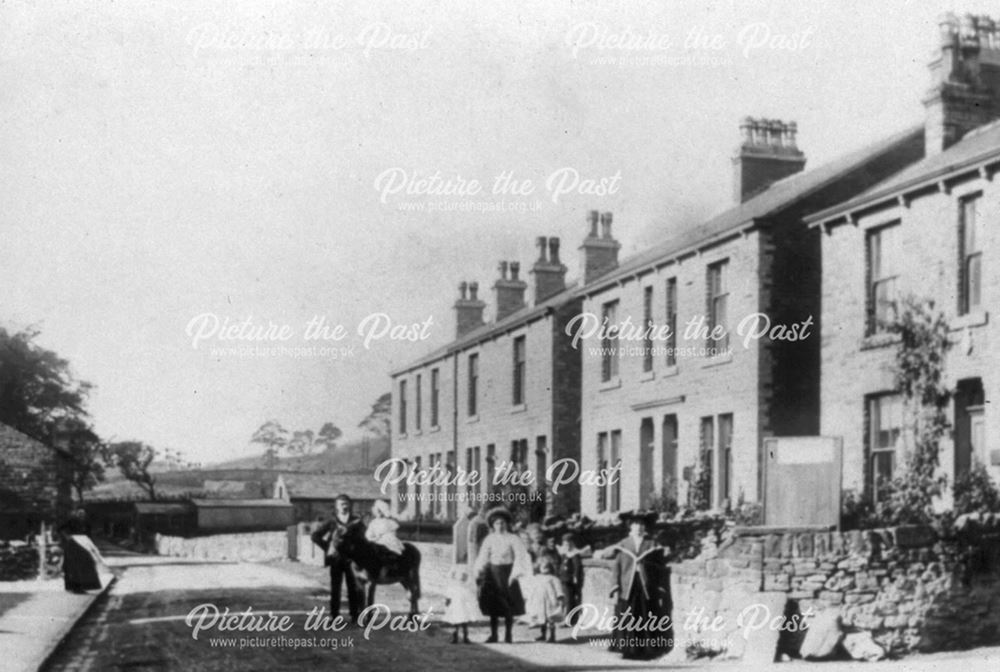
(460, 603)
(544, 606)
(382, 529)
(571, 572)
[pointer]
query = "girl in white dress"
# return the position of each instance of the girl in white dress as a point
(544, 606)
(460, 603)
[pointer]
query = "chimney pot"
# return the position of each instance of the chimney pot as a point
(606, 225)
(592, 217)
(540, 242)
(468, 309)
(600, 254)
(549, 273)
(964, 95)
(771, 155)
(509, 290)
(553, 250)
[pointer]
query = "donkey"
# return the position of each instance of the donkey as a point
(377, 566)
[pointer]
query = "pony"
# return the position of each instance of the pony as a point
(376, 566)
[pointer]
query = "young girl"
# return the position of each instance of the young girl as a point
(460, 603)
(382, 528)
(545, 603)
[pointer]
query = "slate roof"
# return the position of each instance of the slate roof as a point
(328, 486)
(778, 197)
(977, 147)
(239, 503)
(770, 202)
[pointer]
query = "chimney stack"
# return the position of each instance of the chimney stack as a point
(509, 291)
(549, 272)
(600, 254)
(965, 81)
(468, 309)
(767, 153)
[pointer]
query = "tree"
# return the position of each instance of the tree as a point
(378, 420)
(133, 459)
(328, 436)
(302, 442)
(37, 389)
(86, 452)
(40, 397)
(274, 438)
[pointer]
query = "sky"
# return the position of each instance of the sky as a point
(180, 177)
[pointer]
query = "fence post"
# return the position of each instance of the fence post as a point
(41, 552)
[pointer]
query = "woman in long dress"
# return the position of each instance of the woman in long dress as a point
(642, 586)
(502, 560)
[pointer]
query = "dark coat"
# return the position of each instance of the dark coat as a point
(642, 566)
(322, 536)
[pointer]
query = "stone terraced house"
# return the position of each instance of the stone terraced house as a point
(501, 396)
(930, 232)
(670, 368)
(686, 414)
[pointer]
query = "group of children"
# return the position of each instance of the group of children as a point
(550, 594)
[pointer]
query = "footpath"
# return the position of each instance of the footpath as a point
(42, 615)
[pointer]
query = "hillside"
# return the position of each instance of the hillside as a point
(248, 477)
(355, 456)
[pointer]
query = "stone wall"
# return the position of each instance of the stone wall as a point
(435, 563)
(248, 547)
(909, 589)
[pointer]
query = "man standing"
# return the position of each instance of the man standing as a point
(344, 525)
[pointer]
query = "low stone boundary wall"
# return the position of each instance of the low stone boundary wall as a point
(243, 547)
(435, 563)
(910, 590)
(751, 587)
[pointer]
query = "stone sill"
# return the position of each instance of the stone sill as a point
(647, 376)
(472, 418)
(719, 360)
(417, 432)
(670, 371)
(976, 318)
(519, 408)
(763, 530)
(612, 384)
(434, 428)
(881, 340)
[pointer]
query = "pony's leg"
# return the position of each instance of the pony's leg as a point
(408, 585)
(414, 588)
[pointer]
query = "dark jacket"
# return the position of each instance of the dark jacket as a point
(571, 569)
(643, 565)
(353, 529)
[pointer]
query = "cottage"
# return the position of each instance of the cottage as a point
(34, 484)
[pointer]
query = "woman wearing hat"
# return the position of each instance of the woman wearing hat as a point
(642, 586)
(501, 561)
